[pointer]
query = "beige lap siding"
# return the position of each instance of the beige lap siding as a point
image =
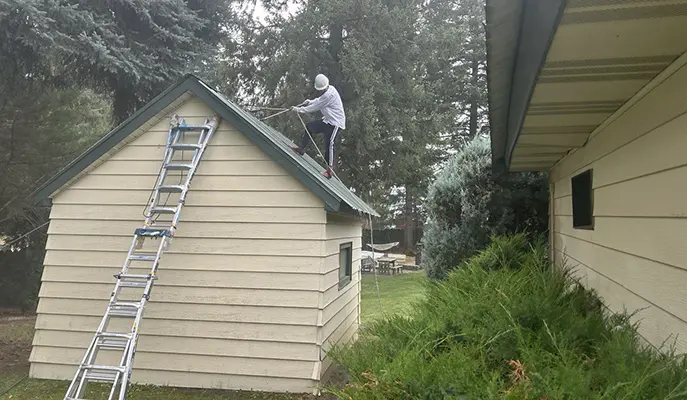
(236, 303)
(340, 306)
(635, 257)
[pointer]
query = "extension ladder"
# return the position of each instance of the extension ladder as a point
(118, 375)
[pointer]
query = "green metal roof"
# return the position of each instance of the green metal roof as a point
(336, 196)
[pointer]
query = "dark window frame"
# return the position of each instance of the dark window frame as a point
(347, 277)
(583, 200)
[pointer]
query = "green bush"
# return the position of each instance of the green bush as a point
(468, 204)
(508, 326)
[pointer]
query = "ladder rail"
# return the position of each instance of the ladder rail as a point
(169, 154)
(198, 155)
(155, 197)
(78, 370)
(130, 352)
(120, 376)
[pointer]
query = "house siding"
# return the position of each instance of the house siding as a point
(237, 300)
(340, 306)
(635, 257)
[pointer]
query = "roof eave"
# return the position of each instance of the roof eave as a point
(111, 139)
(534, 24)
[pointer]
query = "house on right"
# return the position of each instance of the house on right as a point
(594, 92)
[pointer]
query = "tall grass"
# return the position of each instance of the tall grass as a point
(506, 325)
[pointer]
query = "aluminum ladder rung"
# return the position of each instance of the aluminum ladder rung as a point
(144, 277)
(134, 280)
(113, 343)
(114, 335)
(171, 188)
(142, 257)
(124, 309)
(153, 232)
(178, 167)
(185, 146)
(163, 210)
(102, 373)
(134, 284)
(187, 128)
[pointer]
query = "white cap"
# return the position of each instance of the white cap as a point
(321, 82)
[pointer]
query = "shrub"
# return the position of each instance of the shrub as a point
(507, 326)
(468, 204)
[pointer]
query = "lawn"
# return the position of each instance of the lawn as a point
(396, 293)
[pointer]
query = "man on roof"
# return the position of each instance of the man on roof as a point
(333, 120)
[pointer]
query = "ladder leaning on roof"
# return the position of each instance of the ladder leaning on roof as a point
(125, 342)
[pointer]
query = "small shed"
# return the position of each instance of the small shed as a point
(262, 277)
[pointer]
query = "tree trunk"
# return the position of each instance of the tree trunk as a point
(123, 103)
(474, 98)
(335, 47)
(409, 228)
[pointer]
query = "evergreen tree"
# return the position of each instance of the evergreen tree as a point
(66, 67)
(403, 69)
(468, 204)
(130, 49)
(42, 129)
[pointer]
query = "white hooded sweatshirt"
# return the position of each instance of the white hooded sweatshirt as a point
(330, 105)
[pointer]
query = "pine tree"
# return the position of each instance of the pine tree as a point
(130, 49)
(64, 66)
(400, 68)
(42, 129)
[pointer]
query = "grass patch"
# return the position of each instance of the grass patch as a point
(15, 346)
(397, 294)
(508, 326)
(9, 377)
(54, 390)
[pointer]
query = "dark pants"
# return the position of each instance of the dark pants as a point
(330, 134)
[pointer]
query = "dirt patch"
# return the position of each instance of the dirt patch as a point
(14, 356)
(15, 342)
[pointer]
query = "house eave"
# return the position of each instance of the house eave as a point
(519, 35)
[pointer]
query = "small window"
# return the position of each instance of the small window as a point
(583, 201)
(345, 264)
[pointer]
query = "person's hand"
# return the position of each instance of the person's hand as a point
(296, 109)
(306, 102)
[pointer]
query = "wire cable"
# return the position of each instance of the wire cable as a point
(274, 115)
(6, 245)
(374, 262)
